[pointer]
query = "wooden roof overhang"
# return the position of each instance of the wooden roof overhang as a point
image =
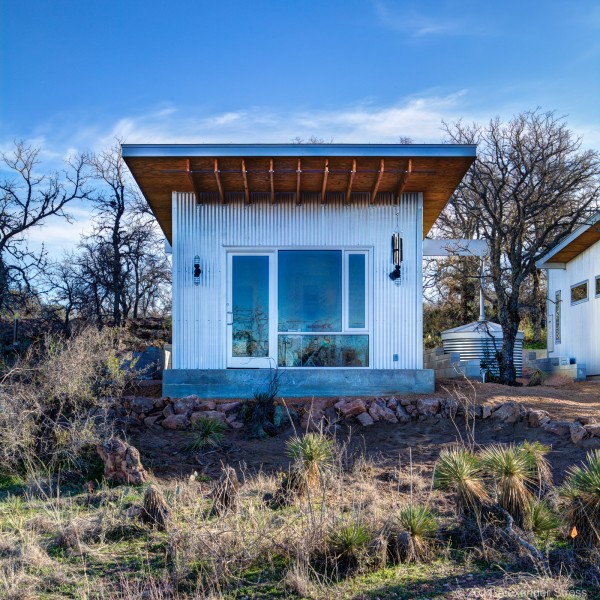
(573, 245)
(295, 172)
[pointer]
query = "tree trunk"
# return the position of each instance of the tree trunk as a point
(537, 310)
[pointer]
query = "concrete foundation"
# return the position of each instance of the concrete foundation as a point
(296, 383)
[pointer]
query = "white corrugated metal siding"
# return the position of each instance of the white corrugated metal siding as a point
(209, 230)
(580, 323)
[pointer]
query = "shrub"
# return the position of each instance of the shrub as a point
(513, 473)
(582, 493)
(541, 472)
(52, 401)
(414, 530)
(458, 470)
(348, 543)
(208, 433)
(313, 456)
(541, 519)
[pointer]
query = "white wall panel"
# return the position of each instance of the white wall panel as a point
(580, 323)
(208, 230)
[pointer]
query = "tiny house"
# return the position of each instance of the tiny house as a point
(304, 258)
(573, 298)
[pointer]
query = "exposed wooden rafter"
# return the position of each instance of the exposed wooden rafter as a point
(271, 172)
(298, 171)
(193, 182)
(218, 178)
(351, 181)
(378, 182)
(404, 179)
(324, 186)
(246, 189)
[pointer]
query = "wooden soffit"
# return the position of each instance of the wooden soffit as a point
(298, 173)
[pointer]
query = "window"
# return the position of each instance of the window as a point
(557, 319)
(579, 292)
(322, 308)
(597, 286)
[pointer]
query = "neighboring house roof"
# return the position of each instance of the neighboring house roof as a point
(573, 245)
(215, 171)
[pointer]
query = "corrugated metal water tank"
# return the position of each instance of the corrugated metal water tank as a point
(479, 340)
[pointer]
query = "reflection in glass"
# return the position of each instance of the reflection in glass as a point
(323, 350)
(310, 290)
(356, 291)
(250, 305)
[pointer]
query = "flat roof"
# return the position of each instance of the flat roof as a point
(573, 245)
(215, 172)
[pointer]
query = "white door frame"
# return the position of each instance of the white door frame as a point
(243, 362)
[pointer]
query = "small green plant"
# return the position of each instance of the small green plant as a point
(208, 433)
(513, 474)
(541, 519)
(535, 453)
(312, 454)
(418, 527)
(582, 493)
(348, 542)
(458, 470)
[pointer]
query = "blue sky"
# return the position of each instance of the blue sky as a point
(75, 74)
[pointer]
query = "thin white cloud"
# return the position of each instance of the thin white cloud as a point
(410, 19)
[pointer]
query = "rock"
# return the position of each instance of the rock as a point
(402, 415)
(168, 411)
(428, 406)
(230, 407)
(160, 403)
(183, 406)
(365, 419)
(312, 421)
(593, 429)
(411, 409)
(392, 403)
(509, 412)
(151, 421)
(450, 408)
(235, 424)
(210, 414)
(486, 411)
(176, 422)
(406, 401)
(382, 413)
(122, 462)
(578, 432)
(140, 404)
(587, 420)
(536, 418)
(591, 444)
(561, 428)
(350, 408)
(332, 416)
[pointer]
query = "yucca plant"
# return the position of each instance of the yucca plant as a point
(582, 493)
(208, 433)
(313, 455)
(348, 543)
(541, 519)
(513, 473)
(542, 473)
(416, 528)
(458, 470)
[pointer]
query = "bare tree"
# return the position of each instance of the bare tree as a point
(530, 186)
(27, 199)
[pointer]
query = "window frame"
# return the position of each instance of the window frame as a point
(557, 316)
(585, 282)
(596, 286)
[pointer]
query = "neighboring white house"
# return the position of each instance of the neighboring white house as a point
(303, 257)
(573, 297)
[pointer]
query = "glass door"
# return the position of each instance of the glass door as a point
(251, 325)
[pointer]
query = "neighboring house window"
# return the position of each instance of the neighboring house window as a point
(597, 286)
(557, 319)
(579, 292)
(322, 308)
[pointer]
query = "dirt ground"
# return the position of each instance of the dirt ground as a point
(390, 445)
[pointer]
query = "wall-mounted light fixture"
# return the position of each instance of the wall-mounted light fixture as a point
(197, 270)
(396, 258)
